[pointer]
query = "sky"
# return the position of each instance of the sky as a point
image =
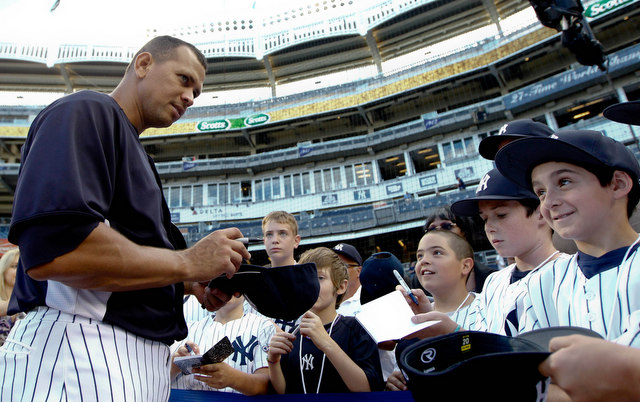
(105, 21)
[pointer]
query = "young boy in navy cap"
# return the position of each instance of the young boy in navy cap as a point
(588, 188)
(516, 229)
(509, 132)
(331, 353)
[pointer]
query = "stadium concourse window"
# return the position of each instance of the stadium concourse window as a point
(425, 159)
(392, 167)
(583, 110)
(458, 148)
(363, 174)
(327, 179)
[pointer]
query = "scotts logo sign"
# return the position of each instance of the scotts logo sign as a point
(214, 125)
(229, 124)
(256, 120)
(604, 6)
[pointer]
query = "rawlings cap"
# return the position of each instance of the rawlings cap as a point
(377, 277)
(584, 148)
(512, 131)
(284, 292)
(625, 112)
(475, 366)
(349, 251)
(492, 186)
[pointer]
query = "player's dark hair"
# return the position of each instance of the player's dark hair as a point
(162, 48)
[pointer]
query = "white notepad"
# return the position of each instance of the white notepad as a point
(389, 317)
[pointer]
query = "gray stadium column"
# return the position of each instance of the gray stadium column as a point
(408, 163)
(375, 53)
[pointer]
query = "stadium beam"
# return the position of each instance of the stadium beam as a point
(375, 52)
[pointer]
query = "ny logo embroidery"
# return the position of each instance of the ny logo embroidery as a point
(307, 362)
(503, 129)
(244, 351)
(483, 183)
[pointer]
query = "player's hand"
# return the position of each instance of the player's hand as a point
(281, 343)
(424, 304)
(445, 326)
(396, 382)
(214, 255)
(211, 299)
(216, 375)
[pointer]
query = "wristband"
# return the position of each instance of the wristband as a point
(457, 328)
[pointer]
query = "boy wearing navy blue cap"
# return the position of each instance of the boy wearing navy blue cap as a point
(588, 188)
(515, 228)
(512, 131)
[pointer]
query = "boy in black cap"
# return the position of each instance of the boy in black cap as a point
(515, 228)
(510, 132)
(588, 188)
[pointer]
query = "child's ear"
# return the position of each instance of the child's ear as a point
(343, 287)
(467, 265)
(621, 183)
(297, 241)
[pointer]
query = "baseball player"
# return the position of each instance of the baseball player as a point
(100, 276)
(588, 187)
(245, 370)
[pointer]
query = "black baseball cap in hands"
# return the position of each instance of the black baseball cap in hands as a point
(492, 186)
(349, 251)
(543, 336)
(625, 112)
(476, 366)
(285, 292)
(584, 148)
(512, 131)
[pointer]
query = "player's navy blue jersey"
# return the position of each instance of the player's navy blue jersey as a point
(354, 341)
(99, 173)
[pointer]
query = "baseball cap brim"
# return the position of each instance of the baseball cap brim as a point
(626, 113)
(489, 145)
(517, 160)
(542, 336)
(284, 292)
(469, 206)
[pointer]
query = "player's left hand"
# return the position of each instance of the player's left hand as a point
(211, 299)
(217, 375)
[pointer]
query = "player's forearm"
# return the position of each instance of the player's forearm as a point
(108, 261)
(352, 375)
(251, 384)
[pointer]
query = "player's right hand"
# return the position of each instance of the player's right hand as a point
(214, 255)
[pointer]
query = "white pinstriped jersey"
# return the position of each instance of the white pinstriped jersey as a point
(83, 358)
(193, 310)
(607, 303)
(470, 317)
(249, 336)
(502, 300)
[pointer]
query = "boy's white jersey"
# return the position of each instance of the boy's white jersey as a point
(607, 303)
(249, 335)
(470, 317)
(503, 301)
